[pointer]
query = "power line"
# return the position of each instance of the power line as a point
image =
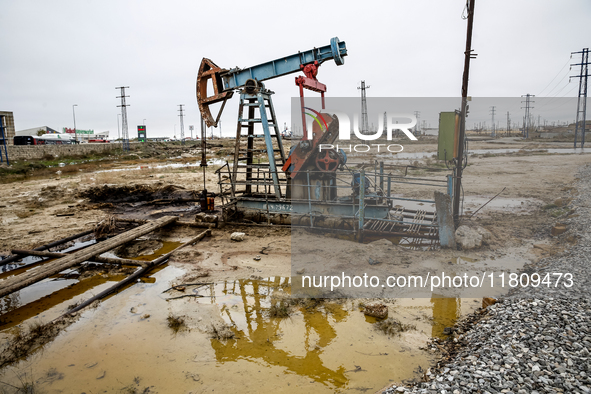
(559, 105)
(562, 68)
(560, 91)
(553, 99)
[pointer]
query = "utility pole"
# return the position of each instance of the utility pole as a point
(508, 124)
(74, 115)
(527, 116)
(417, 116)
(462, 134)
(582, 101)
(124, 117)
(493, 133)
(364, 120)
(203, 163)
(182, 127)
(3, 141)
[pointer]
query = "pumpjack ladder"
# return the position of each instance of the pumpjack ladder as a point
(266, 174)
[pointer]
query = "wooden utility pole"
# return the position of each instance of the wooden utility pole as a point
(462, 133)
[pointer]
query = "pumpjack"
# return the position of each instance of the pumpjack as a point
(248, 82)
(303, 184)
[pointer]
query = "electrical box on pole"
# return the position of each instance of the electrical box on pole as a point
(448, 135)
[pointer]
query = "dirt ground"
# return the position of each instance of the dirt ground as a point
(536, 188)
(37, 211)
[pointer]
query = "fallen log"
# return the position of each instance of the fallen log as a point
(18, 282)
(96, 259)
(131, 278)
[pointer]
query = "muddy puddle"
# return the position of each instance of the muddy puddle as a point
(410, 243)
(473, 203)
(29, 262)
(513, 205)
(424, 155)
(196, 164)
(47, 299)
(126, 344)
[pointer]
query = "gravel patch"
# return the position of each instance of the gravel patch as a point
(534, 340)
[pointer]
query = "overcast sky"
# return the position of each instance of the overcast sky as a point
(58, 53)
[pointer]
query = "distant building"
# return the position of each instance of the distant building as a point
(82, 135)
(35, 131)
(8, 123)
(85, 135)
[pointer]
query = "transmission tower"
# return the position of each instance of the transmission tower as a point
(508, 124)
(182, 126)
(582, 101)
(124, 117)
(527, 117)
(364, 120)
(492, 111)
(3, 134)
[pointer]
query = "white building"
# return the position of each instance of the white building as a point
(81, 135)
(36, 131)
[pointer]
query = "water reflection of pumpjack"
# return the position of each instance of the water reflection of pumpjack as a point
(446, 312)
(256, 342)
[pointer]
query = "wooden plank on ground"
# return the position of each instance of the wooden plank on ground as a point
(97, 259)
(18, 282)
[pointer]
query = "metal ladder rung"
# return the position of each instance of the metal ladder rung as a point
(257, 165)
(277, 159)
(266, 179)
(254, 105)
(254, 166)
(257, 150)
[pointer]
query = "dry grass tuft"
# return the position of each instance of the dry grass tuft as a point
(176, 323)
(105, 227)
(221, 332)
(280, 309)
(393, 327)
